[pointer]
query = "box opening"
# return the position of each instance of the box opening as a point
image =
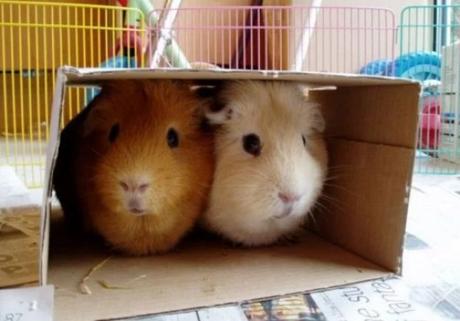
(371, 125)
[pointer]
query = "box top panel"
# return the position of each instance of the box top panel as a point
(95, 75)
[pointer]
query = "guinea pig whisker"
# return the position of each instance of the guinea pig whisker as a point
(341, 188)
(326, 203)
(311, 216)
(339, 166)
(320, 209)
(319, 205)
(329, 184)
(331, 178)
(339, 169)
(328, 198)
(96, 152)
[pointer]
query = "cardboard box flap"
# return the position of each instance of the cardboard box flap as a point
(95, 75)
(375, 114)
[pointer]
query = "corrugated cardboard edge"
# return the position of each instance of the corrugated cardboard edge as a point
(51, 153)
(93, 75)
(408, 189)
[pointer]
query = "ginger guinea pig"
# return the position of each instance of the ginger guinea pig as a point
(271, 161)
(136, 165)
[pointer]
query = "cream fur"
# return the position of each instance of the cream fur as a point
(244, 198)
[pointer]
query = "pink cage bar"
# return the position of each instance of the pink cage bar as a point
(300, 38)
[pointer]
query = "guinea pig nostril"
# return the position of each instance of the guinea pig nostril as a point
(124, 186)
(288, 198)
(135, 206)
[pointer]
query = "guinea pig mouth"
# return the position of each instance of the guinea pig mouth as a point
(287, 210)
(137, 211)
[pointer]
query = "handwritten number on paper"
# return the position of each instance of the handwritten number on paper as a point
(11, 317)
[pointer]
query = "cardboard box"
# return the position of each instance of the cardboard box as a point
(371, 134)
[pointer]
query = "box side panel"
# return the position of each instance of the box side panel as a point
(377, 114)
(200, 272)
(366, 199)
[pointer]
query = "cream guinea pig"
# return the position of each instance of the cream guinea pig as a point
(136, 165)
(271, 161)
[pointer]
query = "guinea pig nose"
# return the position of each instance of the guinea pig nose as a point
(288, 198)
(135, 206)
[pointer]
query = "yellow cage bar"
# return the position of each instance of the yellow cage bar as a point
(35, 39)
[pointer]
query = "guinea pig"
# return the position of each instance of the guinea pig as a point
(271, 161)
(136, 165)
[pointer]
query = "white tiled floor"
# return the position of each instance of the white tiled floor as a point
(28, 157)
(432, 256)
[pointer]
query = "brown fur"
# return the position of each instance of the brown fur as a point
(181, 177)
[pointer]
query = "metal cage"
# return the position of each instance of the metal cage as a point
(300, 38)
(38, 37)
(429, 51)
(35, 39)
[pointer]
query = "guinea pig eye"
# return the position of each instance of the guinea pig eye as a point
(114, 131)
(172, 137)
(251, 144)
(304, 140)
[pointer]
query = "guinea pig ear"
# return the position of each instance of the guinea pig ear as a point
(317, 120)
(304, 89)
(217, 111)
(97, 111)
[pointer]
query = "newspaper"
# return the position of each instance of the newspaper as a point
(378, 300)
(27, 304)
(286, 308)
